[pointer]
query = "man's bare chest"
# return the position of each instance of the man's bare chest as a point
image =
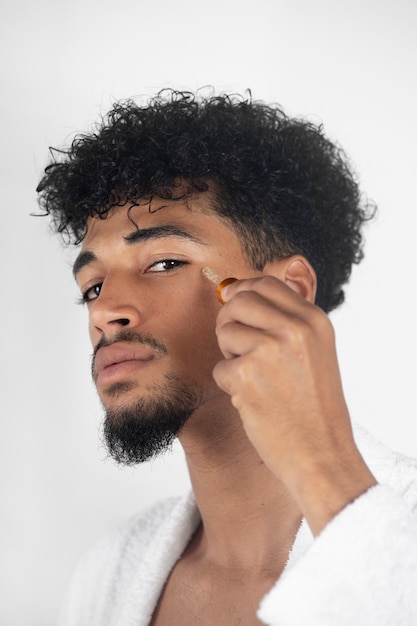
(208, 601)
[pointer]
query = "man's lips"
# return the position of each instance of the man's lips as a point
(112, 361)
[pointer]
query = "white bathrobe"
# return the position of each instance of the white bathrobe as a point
(360, 571)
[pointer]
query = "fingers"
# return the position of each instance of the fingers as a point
(259, 309)
(236, 339)
(255, 301)
(274, 344)
(269, 287)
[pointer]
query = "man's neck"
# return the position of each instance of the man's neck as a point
(249, 519)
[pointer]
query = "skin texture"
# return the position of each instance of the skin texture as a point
(271, 441)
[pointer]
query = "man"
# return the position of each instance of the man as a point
(290, 511)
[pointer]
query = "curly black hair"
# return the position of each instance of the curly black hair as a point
(280, 183)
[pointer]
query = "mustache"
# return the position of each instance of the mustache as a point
(129, 336)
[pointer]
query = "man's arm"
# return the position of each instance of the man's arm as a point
(282, 374)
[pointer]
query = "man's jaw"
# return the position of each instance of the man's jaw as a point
(138, 428)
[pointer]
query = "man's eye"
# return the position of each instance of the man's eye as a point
(165, 265)
(92, 293)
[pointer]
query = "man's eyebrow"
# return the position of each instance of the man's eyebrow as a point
(82, 259)
(157, 232)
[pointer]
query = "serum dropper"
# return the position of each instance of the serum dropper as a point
(216, 280)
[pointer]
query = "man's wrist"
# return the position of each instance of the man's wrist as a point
(325, 489)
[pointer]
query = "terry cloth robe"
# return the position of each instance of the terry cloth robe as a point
(360, 571)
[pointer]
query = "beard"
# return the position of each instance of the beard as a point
(138, 431)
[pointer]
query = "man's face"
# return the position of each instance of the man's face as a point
(152, 317)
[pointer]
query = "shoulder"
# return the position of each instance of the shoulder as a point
(133, 535)
(105, 572)
(361, 568)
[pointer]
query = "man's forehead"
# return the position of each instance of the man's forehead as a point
(145, 214)
(127, 219)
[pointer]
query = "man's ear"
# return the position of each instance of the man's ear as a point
(296, 272)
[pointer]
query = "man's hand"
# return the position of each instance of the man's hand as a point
(281, 372)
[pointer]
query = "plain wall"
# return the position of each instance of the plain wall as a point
(351, 65)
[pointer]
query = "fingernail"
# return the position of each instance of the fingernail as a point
(222, 289)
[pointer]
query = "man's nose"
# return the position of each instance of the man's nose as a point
(115, 307)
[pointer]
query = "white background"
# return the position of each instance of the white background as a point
(351, 65)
